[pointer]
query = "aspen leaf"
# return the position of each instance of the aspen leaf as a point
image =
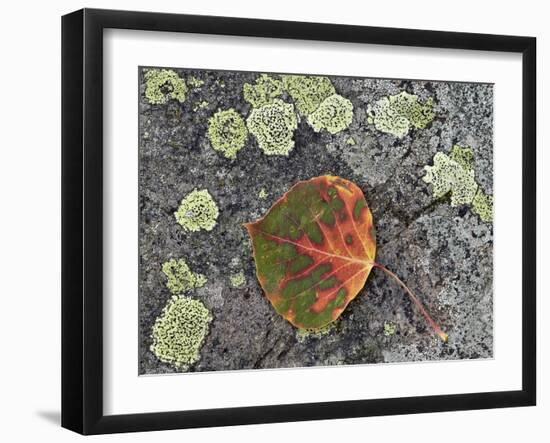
(314, 250)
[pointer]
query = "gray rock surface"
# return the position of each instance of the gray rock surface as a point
(443, 253)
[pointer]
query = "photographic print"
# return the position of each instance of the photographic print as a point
(291, 220)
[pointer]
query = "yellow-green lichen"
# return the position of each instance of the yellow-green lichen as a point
(263, 91)
(162, 85)
(350, 141)
(237, 280)
(389, 328)
(308, 92)
(178, 334)
(200, 105)
(482, 205)
(398, 114)
(180, 278)
(273, 126)
(454, 174)
(195, 82)
(227, 132)
(334, 114)
(197, 211)
(262, 195)
(304, 334)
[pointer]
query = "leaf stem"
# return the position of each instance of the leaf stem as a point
(429, 319)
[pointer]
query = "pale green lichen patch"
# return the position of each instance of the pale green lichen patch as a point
(200, 105)
(180, 278)
(350, 141)
(237, 280)
(227, 132)
(178, 334)
(273, 126)
(197, 211)
(263, 194)
(389, 328)
(334, 114)
(195, 82)
(482, 205)
(398, 114)
(454, 174)
(447, 176)
(305, 334)
(162, 85)
(263, 91)
(308, 92)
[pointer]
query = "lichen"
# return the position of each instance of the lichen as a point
(227, 132)
(262, 195)
(237, 280)
(179, 332)
(447, 176)
(308, 92)
(334, 114)
(350, 141)
(454, 174)
(197, 211)
(304, 334)
(398, 114)
(463, 156)
(180, 278)
(162, 85)
(482, 205)
(263, 91)
(200, 105)
(273, 126)
(389, 328)
(195, 82)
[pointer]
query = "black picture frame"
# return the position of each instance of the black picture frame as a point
(82, 215)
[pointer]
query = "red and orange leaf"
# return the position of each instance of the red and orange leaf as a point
(314, 250)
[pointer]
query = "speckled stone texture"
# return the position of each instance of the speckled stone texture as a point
(443, 253)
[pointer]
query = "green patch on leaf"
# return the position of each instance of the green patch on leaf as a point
(197, 211)
(178, 334)
(162, 85)
(398, 114)
(227, 132)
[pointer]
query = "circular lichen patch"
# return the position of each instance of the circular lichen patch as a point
(334, 114)
(227, 132)
(162, 85)
(273, 126)
(197, 211)
(179, 332)
(397, 114)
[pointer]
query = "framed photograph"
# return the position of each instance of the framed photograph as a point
(269, 221)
